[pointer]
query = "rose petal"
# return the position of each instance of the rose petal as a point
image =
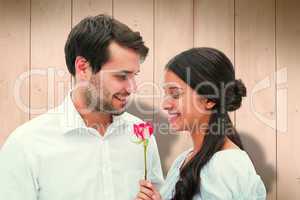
(136, 130)
(143, 130)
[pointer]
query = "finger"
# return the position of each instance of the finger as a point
(143, 196)
(156, 196)
(145, 183)
(147, 191)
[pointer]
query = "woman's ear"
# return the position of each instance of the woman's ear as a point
(209, 105)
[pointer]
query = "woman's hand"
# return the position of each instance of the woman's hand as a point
(147, 191)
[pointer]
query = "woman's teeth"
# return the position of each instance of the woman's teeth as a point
(173, 116)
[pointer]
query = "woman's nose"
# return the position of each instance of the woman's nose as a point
(167, 103)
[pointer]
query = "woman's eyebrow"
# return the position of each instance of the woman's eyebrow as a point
(172, 87)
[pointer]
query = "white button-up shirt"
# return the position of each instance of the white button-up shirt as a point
(57, 157)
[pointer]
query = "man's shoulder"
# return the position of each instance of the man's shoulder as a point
(131, 119)
(35, 126)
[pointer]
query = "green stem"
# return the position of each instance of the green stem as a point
(145, 159)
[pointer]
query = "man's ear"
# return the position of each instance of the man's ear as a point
(83, 70)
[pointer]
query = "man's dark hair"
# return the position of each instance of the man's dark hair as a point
(91, 37)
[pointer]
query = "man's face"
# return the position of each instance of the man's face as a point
(110, 88)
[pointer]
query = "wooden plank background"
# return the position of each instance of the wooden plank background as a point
(261, 37)
(15, 56)
(255, 60)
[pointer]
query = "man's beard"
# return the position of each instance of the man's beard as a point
(107, 107)
(97, 104)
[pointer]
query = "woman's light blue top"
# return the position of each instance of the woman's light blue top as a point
(229, 175)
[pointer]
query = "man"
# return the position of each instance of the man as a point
(85, 149)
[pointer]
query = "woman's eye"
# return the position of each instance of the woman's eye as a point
(175, 96)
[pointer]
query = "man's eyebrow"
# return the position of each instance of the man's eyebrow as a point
(126, 72)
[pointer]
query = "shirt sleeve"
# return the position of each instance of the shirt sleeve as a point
(231, 177)
(16, 180)
(155, 170)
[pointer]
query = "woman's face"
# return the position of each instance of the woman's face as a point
(187, 111)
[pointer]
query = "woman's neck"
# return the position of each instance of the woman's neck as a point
(197, 138)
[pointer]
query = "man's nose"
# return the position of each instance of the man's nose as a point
(131, 86)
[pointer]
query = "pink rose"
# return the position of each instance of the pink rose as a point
(143, 132)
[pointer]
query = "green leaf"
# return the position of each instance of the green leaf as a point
(138, 142)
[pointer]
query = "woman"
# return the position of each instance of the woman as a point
(201, 89)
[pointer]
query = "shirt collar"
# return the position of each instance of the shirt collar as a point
(71, 118)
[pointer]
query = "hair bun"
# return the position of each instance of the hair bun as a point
(234, 93)
(240, 88)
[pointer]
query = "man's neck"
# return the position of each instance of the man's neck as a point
(94, 119)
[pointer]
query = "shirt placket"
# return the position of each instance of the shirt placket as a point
(108, 187)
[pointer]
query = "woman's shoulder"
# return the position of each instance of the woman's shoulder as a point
(232, 171)
(234, 159)
(230, 164)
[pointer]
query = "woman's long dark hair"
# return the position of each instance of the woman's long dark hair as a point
(208, 65)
